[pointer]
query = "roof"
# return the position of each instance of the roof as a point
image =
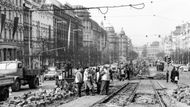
(54, 2)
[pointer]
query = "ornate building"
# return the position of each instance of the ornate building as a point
(11, 37)
(67, 33)
(94, 39)
(113, 40)
(42, 33)
(123, 46)
(38, 33)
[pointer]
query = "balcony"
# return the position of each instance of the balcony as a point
(8, 43)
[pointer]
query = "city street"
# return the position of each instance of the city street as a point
(95, 53)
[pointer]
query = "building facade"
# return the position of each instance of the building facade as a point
(123, 46)
(153, 50)
(94, 39)
(38, 33)
(180, 40)
(113, 40)
(11, 37)
(67, 33)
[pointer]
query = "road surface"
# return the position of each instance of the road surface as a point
(25, 89)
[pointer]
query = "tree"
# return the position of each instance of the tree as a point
(160, 54)
(133, 55)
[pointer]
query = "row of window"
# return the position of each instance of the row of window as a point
(11, 14)
(16, 2)
(7, 34)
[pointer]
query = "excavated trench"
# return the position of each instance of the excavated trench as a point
(119, 98)
(135, 94)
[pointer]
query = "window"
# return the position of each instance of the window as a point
(4, 10)
(10, 34)
(20, 18)
(0, 10)
(5, 33)
(18, 36)
(21, 38)
(10, 15)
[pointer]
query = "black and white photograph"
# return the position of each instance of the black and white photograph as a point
(94, 53)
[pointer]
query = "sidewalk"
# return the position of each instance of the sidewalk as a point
(86, 101)
(183, 79)
(170, 87)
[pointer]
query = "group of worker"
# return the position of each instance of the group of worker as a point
(99, 77)
(89, 76)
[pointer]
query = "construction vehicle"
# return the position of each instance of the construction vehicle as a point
(5, 86)
(22, 75)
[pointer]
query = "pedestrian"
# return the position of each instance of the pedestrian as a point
(78, 81)
(105, 80)
(128, 72)
(98, 80)
(111, 74)
(119, 74)
(176, 76)
(167, 75)
(87, 82)
(123, 74)
(172, 74)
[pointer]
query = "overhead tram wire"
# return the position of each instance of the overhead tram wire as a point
(135, 6)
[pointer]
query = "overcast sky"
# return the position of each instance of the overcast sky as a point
(157, 18)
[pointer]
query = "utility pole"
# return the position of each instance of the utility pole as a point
(29, 40)
(43, 43)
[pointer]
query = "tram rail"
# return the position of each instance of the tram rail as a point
(161, 102)
(126, 92)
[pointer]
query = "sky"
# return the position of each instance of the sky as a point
(158, 17)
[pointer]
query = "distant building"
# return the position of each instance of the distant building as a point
(167, 46)
(139, 50)
(113, 40)
(123, 44)
(153, 50)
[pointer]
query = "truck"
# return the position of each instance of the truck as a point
(20, 74)
(5, 85)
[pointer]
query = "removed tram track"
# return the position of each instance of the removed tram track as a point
(122, 97)
(145, 93)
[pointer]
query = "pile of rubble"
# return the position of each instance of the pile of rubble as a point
(160, 76)
(145, 99)
(182, 94)
(42, 98)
